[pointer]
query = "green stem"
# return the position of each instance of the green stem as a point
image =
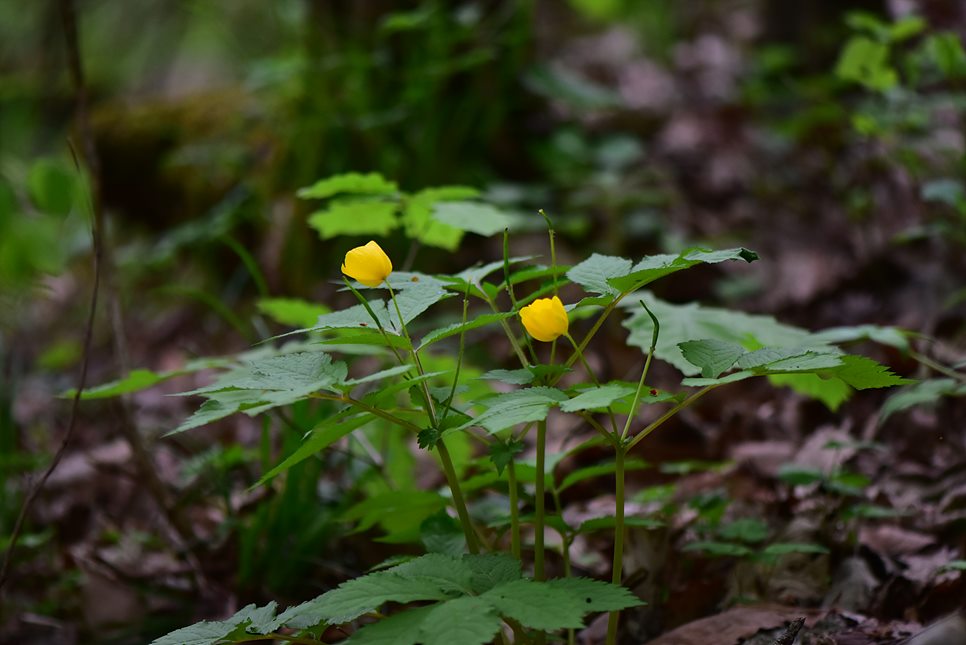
(514, 511)
(667, 415)
(637, 395)
(593, 378)
(614, 617)
(454, 486)
(938, 367)
(509, 334)
(382, 414)
(451, 478)
(538, 548)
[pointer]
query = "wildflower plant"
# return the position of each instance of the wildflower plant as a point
(482, 579)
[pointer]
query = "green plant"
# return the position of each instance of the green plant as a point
(428, 386)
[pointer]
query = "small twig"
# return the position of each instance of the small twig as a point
(791, 632)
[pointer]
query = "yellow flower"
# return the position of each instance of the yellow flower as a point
(368, 264)
(545, 319)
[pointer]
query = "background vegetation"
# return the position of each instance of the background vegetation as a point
(827, 136)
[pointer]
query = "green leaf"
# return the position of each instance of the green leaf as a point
(599, 470)
(136, 381)
(212, 632)
(482, 219)
(866, 62)
(745, 530)
(522, 406)
(864, 373)
(292, 311)
(359, 596)
(404, 628)
(597, 397)
(365, 217)
(711, 355)
(52, 186)
(608, 522)
(536, 605)
(784, 548)
(379, 376)
(954, 565)
(890, 336)
(923, 393)
(946, 50)
(832, 392)
(351, 183)
(502, 453)
(720, 549)
(654, 267)
(492, 569)
(513, 377)
(597, 595)
(414, 301)
(468, 621)
(398, 511)
(794, 475)
(454, 329)
(420, 224)
(323, 435)
(594, 272)
(448, 573)
(440, 533)
(685, 322)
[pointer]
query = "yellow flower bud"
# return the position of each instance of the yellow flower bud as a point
(368, 264)
(545, 319)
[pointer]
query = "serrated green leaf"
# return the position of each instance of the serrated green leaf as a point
(448, 573)
(594, 272)
(492, 569)
(135, 381)
(356, 217)
(420, 224)
(597, 595)
(922, 393)
(536, 605)
(482, 219)
(349, 183)
(890, 336)
(599, 470)
(654, 267)
(468, 621)
(359, 596)
(711, 355)
(258, 619)
(440, 533)
(403, 628)
(502, 453)
(522, 406)
(864, 373)
(597, 397)
(685, 322)
(414, 301)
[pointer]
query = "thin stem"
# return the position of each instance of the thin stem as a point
(513, 299)
(667, 415)
(637, 395)
(614, 617)
(454, 486)
(368, 408)
(514, 510)
(451, 478)
(538, 571)
(593, 378)
(936, 366)
(509, 333)
(459, 359)
(375, 319)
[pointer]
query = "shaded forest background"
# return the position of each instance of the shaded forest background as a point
(640, 126)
